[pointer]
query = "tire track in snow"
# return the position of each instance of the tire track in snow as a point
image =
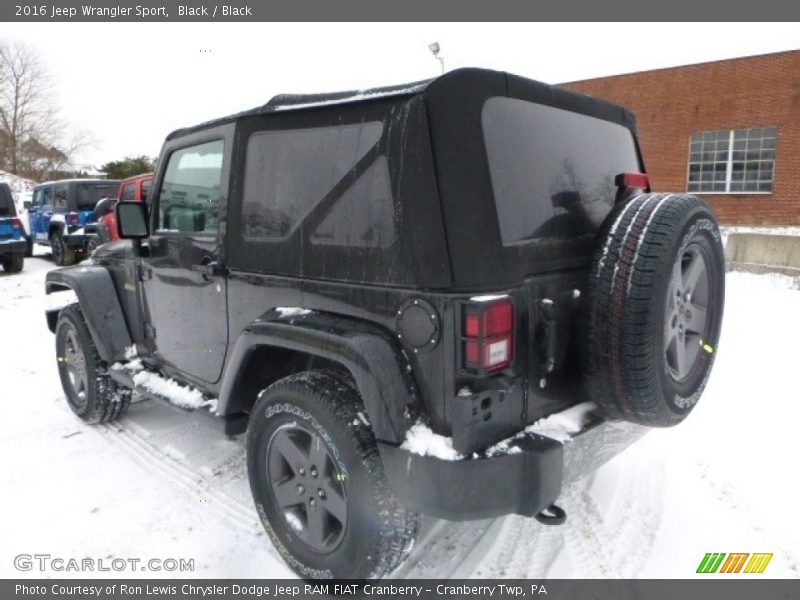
(444, 549)
(612, 540)
(512, 546)
(160, 461)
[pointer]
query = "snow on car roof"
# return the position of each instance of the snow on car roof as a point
(296, 101)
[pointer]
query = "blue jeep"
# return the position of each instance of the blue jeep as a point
(62, 216)
(12, 239)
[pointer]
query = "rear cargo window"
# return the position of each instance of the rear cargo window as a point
(89, 194)
(552, 170)
(7, 208)
(363, 217)
(288, 172)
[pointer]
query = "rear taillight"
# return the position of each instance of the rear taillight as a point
(488, 335)
(16, 223)
(72, 218)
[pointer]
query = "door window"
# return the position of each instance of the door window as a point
(61, 196)
(189, 197)
(145, 189)
(128, 192)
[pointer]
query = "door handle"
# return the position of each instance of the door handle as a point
(210, 268)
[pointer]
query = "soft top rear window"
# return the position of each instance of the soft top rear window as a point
(7, 208)
(552, 170)
(89, 194)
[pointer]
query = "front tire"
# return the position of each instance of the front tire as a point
(318, 483)
(90, 391)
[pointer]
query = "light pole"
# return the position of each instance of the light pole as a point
(435, 49)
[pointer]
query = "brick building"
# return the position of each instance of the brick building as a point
(726, 130)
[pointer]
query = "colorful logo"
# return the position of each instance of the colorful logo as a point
(718, 563)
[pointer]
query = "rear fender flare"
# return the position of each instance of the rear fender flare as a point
(100, 304)
(365, 350)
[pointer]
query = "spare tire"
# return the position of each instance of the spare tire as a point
(656, 293)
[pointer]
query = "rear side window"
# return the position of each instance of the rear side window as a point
(87, 195)
(288, 172)
(190, 192)
(363, 217)
(552, 170)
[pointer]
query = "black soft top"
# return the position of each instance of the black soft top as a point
(450, 85)
(435, 144)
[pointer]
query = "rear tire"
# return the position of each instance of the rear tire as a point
(655, 303)
(318, 482)
(63, 255)
(90, 391)
(14, 263)
(28, 247)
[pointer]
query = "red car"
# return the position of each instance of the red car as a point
(133, 188)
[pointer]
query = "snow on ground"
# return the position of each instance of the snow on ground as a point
(165, 484)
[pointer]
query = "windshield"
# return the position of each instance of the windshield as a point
(552, 170)
(88, 194)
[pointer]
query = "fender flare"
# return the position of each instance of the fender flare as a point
(100, 304)
(365, 350)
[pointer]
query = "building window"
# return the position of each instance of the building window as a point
(735, 161)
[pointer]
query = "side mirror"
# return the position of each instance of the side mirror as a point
(132, 221)
(27, 204)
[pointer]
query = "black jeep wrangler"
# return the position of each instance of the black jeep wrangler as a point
(391, 291)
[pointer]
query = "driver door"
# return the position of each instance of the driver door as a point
(184, 283)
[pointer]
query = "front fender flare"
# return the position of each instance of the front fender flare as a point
(378, 368)
(100, 304)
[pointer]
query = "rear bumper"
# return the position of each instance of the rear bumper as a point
(524, 482)
(12, 246)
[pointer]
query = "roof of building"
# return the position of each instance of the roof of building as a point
(687, 66)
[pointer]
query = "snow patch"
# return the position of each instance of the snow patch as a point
(613, 230)
(177, 394)
(501, 448)
(59, 299)
(130, 365)
(361, 95)
(132, 361)
(421, 440)
(561, 426)
(642, 236)
(488, 298)
(292, 311)
(361, 420)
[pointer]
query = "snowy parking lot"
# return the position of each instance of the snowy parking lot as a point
(163, 484)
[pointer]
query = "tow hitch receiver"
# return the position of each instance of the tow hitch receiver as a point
(552, 515)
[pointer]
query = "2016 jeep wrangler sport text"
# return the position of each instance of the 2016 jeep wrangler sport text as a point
(350, 275)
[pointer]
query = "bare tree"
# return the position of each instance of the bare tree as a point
(33, 140)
